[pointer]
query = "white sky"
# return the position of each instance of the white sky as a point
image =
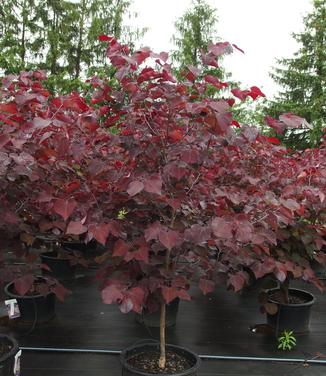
(262, 28)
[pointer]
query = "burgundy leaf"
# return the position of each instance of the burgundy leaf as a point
(174, 203)
(219, 48)
(190, 156)
(24, 284)
(4, 139)
(137, 296)
(64, 207)
(135, 187)
(237, 281)
(111, 294)
(221, 228)
(41, 123)
(278, 126)
(141, 254)
(152, 231)
(206, 285)
(76, 228)
(273, 140)
(215, 82)
(256, 92)
(104, 38)
(100, 232)
(183, 294)
(241, 94)
(169, 294)
(292, 121)
(154, 184)
(75, 103)
(244, 231)
(120, 248)
(197, 234)
(60, 291)
(10, 108)
(168, 238)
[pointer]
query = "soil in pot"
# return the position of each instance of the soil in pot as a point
(33, 307)
(60, 267)
(8, 350)
(294, 315)
(148, 362)
(143, 359)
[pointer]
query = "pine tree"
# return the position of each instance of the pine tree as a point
(303, 80)
(18, 28)
(61, 37)
(194, 31)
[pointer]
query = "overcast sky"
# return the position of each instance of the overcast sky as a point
(262, 28)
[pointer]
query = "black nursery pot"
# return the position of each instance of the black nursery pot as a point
(152, 320)
(60, 267)
(87, 249)
(7, 360)
(33, 308)
(129, 370)
(295, 317)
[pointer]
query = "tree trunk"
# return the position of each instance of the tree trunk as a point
(284, 288)
(23, 37)
(162, 359)
(80, 40)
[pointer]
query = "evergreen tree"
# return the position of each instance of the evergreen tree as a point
(303, 80)
(194, 31)
(61, 37)
(18, 28)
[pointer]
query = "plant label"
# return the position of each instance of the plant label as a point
(17, 363)
(12, 308)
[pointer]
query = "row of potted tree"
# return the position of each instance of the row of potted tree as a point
(164, 177)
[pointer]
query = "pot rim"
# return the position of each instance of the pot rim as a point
(14, 349)
(48, 253)
(13, 295)
(309, 295)
(124, 362)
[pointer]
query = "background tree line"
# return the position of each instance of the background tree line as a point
(61, 37)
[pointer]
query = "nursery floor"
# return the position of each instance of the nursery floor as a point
(214, 325)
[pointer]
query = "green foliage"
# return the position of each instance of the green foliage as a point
(194, 31)
(303, 79)
(18, 34)
(251, 112)
(286, 341)
(122, 214)
(61, 37)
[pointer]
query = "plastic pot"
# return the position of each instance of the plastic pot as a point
(33, 308)
(60, 267)
(295, 317)
(152, 319)
(79, 246)
(7, 361)
(128, 370)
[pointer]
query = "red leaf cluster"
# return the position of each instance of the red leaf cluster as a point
(153, 169)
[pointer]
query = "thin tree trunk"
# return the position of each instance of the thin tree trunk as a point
(80, 40)
(284, 288)
(23, 47)
(162, 359)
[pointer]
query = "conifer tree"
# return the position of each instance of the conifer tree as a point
(195, 29)
(303, 80)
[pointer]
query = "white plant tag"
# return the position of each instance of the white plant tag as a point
(17, 363)
(12, 308)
